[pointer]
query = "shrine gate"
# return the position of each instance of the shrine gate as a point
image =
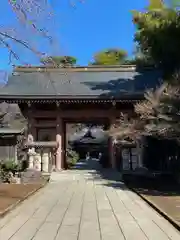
(49, 98)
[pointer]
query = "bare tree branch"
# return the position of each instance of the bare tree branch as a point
(36, 18)
(32, 15)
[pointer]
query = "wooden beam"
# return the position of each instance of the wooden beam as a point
(73, 114)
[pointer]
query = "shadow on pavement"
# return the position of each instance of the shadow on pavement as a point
(163, 194)
(93, 167)
(142, 186)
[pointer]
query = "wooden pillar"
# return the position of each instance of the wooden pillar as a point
(112, 153)
(31, 127)
(60, 141)
(118, 158)
(139, 152)
(112, 143)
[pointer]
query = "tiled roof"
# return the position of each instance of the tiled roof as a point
(9, 131)
(89, 135)
(83, 83)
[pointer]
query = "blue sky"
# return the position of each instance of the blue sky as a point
(86, 29)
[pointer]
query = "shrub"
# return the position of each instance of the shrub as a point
(72, 157)
(10, 166)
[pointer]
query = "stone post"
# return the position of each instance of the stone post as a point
(45, 162)
(37, 162)
(31, 154)
(31, 161)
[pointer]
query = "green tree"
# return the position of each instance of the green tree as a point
(173, 3)
(155, 4)
(110, 56)
(161, 4)
(59, 61)
(158, 36)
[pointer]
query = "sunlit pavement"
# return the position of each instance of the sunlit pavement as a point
(85, 204)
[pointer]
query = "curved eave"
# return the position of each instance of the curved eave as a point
(71, 101)
(45, 99)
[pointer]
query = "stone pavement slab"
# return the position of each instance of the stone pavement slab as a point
(85, 204)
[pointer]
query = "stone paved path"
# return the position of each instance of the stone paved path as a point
(84, 204)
